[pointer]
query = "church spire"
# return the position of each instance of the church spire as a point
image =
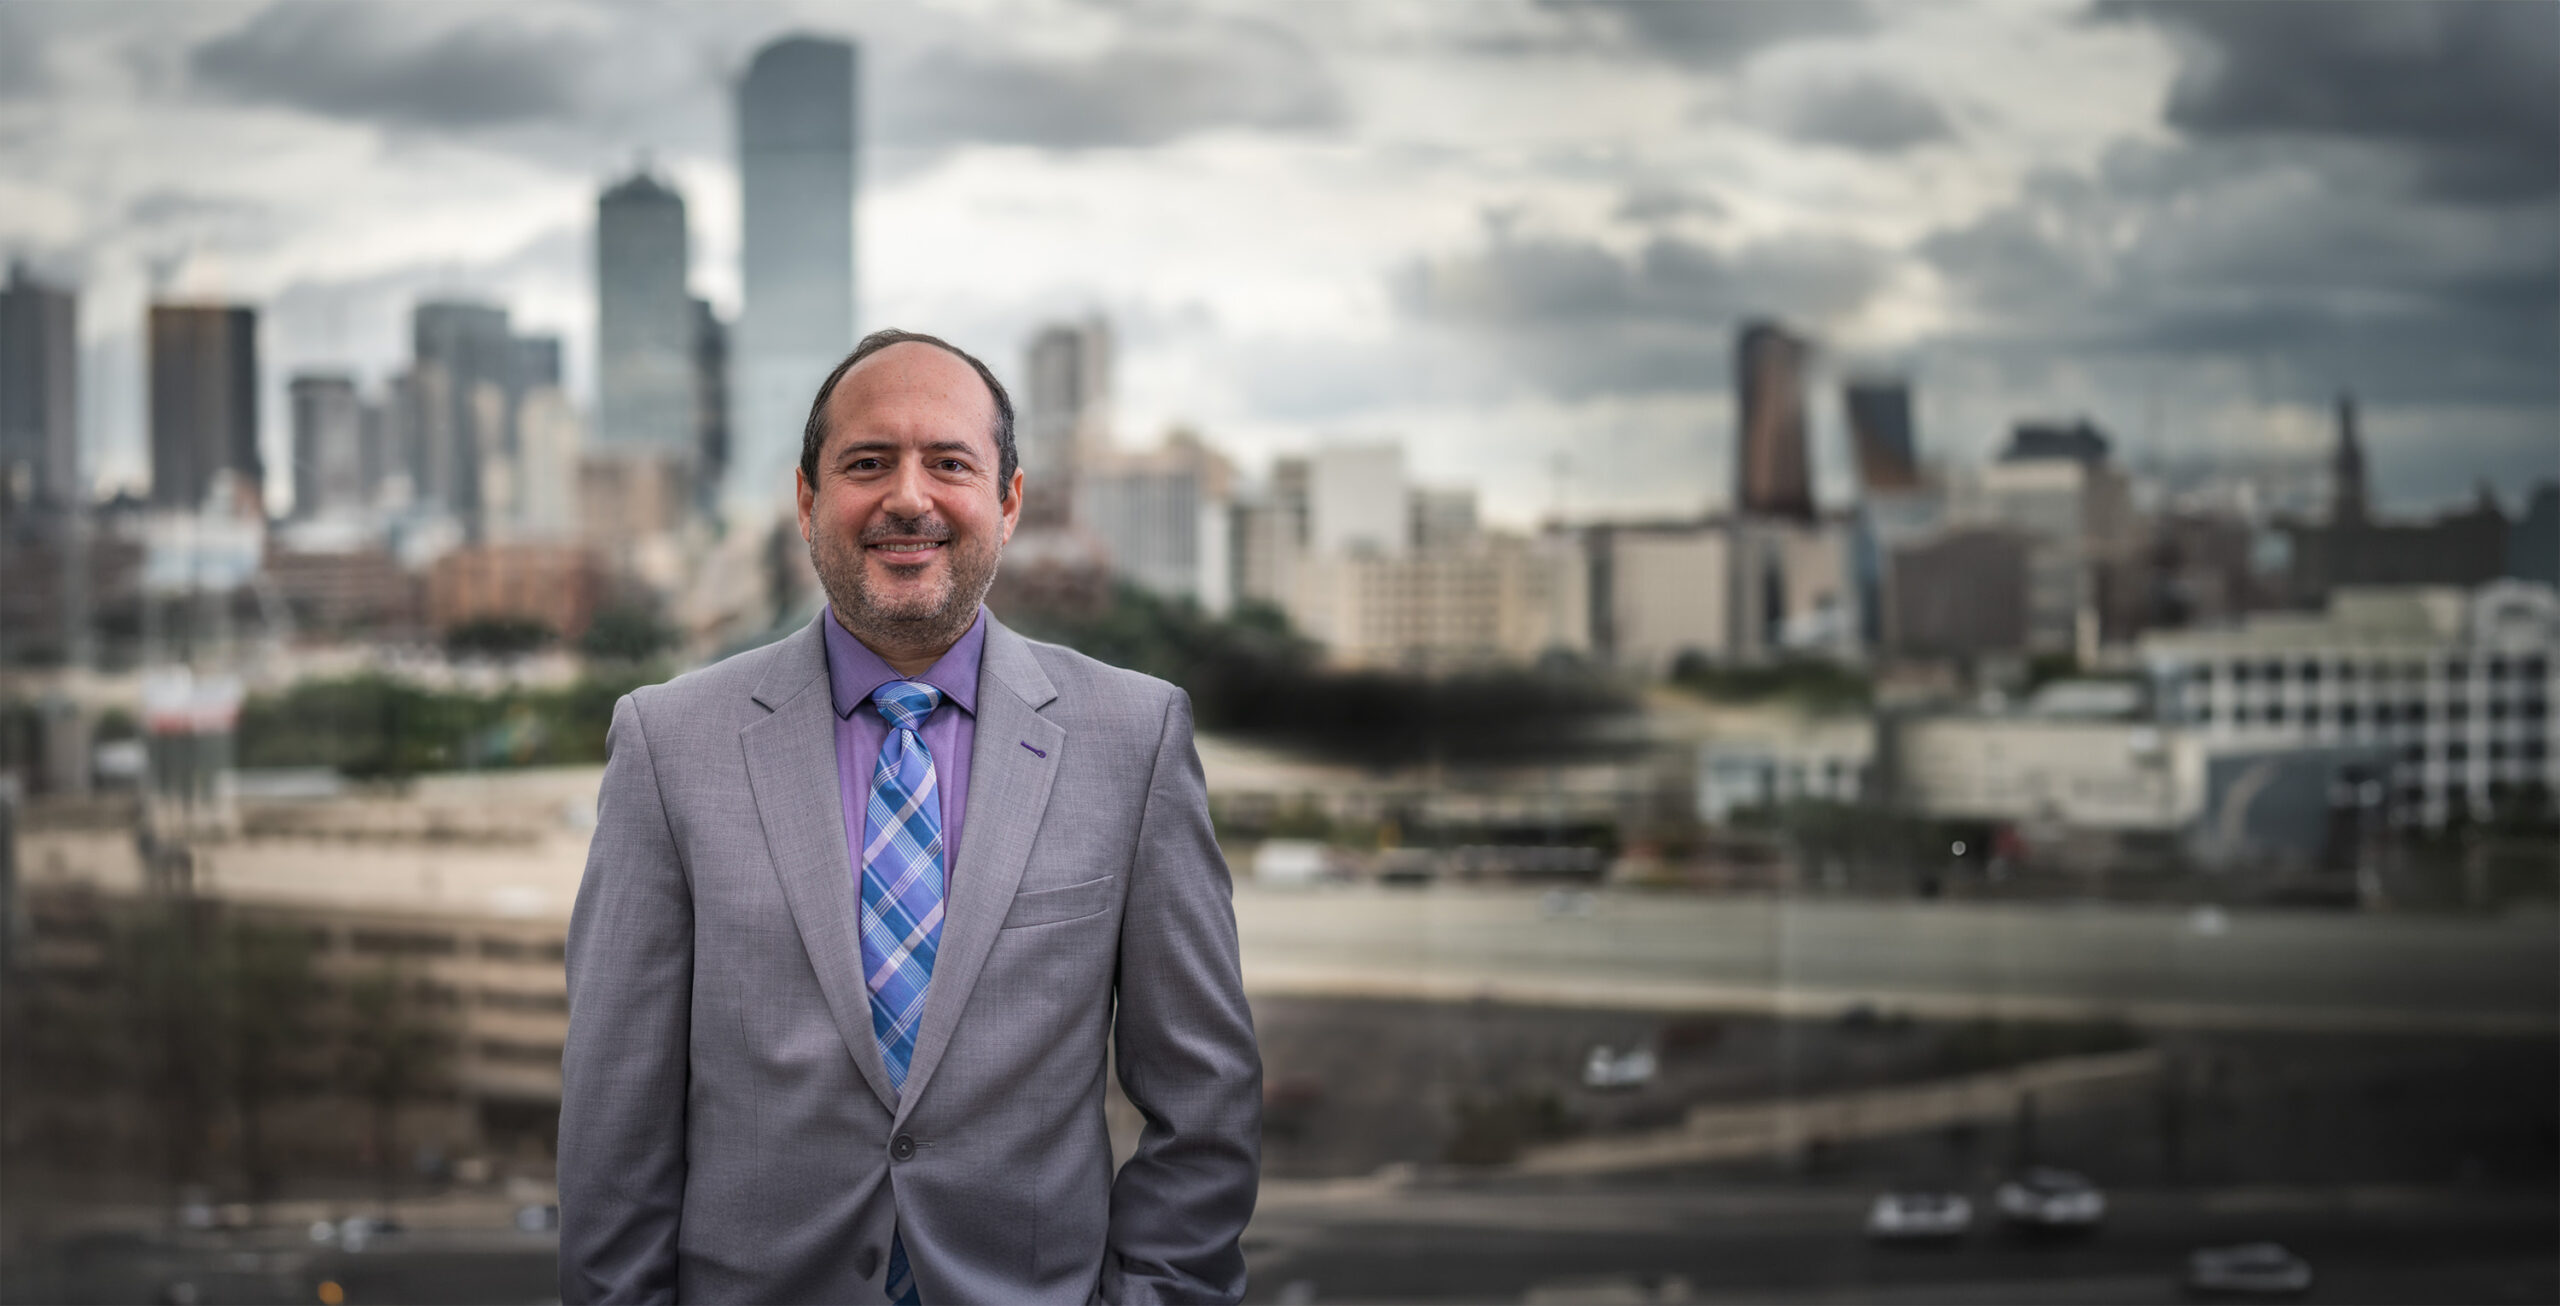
(2346, 487)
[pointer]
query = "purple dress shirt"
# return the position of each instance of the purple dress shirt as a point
(853, 671)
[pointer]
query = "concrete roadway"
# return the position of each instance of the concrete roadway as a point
(2159, 966)
(1674, 1238)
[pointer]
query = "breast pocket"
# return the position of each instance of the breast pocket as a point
(1071, 902)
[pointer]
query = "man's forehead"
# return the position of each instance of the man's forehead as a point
(912, 386)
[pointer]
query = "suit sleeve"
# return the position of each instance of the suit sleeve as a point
(1187, 1056)
(623, 1071)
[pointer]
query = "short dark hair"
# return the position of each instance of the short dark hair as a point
(813, 437)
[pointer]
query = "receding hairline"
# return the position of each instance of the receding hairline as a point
(977, 384)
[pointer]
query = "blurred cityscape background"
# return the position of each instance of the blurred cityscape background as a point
(1842, 652)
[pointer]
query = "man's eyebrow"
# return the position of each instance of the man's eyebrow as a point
(892, 446)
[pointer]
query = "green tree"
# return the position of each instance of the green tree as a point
(394, 1053)
(170, 1016)
(498, 637)
(265, 988)
(627, 632)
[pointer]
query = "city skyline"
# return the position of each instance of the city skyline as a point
(1496, 234)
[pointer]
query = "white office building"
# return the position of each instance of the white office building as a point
(2459, 685)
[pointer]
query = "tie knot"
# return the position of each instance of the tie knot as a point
(905, 703)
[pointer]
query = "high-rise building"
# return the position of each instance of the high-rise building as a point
(328, 445)
(1773, 470)
(1356, 501)
(1164, 518)
(1066, 413)
(1443, 519)
(546, 466)
(1267, 535)
(644, 322)
(537, 362)
(796, 145)
(710, 401)
(204, 402)
(463, 387)
(39, 390)
(2079, 441)
(1880, 435)
(2347, 485)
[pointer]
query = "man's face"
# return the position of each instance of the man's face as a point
(904, 524)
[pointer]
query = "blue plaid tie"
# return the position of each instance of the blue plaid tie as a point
(901, 899)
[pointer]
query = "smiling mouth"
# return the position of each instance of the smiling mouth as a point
(922, 546)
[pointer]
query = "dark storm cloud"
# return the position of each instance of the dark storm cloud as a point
(1865, 112)
(369, 62)
(2261, 253)
(2470, 87)
(1516, 280)
(1719, 35)
(1145, 91)
(1576, 318)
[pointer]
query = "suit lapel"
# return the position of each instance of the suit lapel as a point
(1008, 792)
(791, 766)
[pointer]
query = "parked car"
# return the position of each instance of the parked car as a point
(1923, 1215)
(1607, 1067)
(2047, 1199)
(357, 1230)
(2248, 1270)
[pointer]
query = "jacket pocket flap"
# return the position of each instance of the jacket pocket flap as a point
(1047, 906)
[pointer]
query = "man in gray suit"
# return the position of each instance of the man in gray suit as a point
(864, 908)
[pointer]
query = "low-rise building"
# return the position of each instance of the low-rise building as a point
(558, 585)
(2456, 684)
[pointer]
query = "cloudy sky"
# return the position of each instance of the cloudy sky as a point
(1515, 236)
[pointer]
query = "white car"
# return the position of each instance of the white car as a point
(1608, 1068)
(2248, 1270)
(2046, 1198)
(1919, 1216)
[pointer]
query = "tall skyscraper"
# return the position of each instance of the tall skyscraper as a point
(644, 322)
(462, 386)
(1880, 435)
(204, 402)
(328, 445)
(710, 403)
(1773, 474)
(2347, 503)
(537, 362)
(1066, 414)
(39, 388)
(796, 154)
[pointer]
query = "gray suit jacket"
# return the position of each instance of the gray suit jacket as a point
(727, 1129)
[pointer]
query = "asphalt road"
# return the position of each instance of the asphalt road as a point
(2163, 967)
(1682, 1239)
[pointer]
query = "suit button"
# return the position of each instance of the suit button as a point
(864, 1262)
(902, 1148)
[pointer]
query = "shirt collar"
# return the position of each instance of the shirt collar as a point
(854, 671)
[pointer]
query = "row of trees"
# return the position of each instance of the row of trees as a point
(376, 727)
(1249, 675)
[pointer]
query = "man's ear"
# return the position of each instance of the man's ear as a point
(807, 494)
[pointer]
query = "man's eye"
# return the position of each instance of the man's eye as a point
(954, 465)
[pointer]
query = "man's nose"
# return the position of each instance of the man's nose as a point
(909, 491)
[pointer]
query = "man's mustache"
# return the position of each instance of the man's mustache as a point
(907, 528)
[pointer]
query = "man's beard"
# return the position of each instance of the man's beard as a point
(939, 616)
